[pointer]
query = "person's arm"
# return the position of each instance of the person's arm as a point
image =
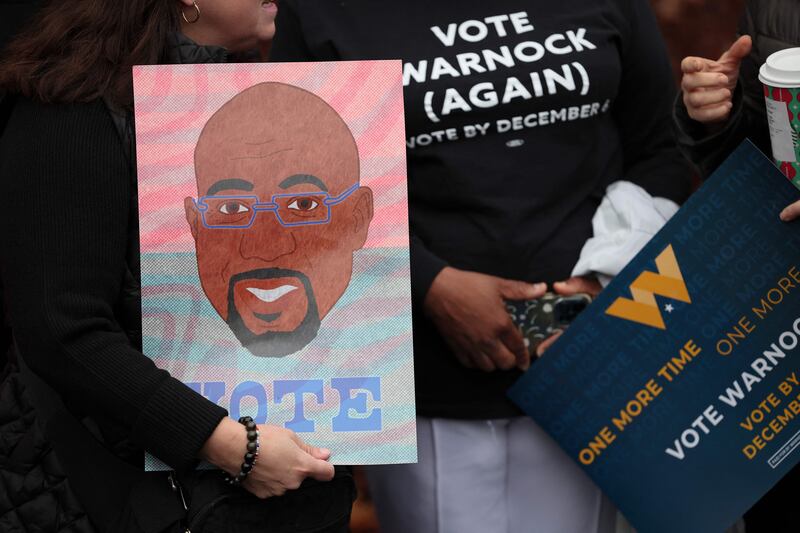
(64, 213)
(706, 132)
(642, 110)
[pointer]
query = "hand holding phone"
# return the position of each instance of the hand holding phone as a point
(543, 317)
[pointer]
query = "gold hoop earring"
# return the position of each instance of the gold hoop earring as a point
(195, 19)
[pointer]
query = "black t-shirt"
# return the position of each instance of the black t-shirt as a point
(518, 115)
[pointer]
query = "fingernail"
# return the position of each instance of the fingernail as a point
(784, 216)
(325, 451)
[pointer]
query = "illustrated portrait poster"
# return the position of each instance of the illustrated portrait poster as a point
(273, 218)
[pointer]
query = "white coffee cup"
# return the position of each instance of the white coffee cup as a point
(780, 75)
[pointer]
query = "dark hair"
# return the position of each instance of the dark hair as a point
(80, 50)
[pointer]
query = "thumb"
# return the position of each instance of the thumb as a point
(575, 285)
(519, 290)
(738, 50)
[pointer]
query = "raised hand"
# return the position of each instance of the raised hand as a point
(708, 85)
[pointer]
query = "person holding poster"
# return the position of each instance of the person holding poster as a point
(519, 115)
(721, 104)
(85, 402)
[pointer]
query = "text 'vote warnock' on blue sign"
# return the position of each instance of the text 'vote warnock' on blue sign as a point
(678, 389)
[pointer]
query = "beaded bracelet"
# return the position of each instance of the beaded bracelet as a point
(252, 451)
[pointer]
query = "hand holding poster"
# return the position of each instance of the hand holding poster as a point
(274, 246)
(678, 389)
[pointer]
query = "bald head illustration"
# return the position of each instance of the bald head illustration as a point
(279, 214)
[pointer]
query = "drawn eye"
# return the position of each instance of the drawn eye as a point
(303, 204)
(233, 208)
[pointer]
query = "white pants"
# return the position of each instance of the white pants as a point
(488, 476)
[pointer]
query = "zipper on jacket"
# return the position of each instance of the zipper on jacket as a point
(176, 487)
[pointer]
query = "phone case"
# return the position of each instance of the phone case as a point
(540, 318)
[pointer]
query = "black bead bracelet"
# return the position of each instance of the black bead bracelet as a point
(252, 451)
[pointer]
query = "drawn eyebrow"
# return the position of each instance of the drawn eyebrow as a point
(262, 156)
(298, 179)
(231, 184)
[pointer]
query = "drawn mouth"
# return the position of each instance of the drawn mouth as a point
(270, 303)
(268, 316)
(271, 295)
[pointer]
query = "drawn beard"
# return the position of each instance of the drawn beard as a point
(274, 343)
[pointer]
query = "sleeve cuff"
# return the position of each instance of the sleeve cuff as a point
(176, 423)
(703, 146)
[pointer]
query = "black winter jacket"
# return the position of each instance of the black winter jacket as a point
(62, 467)
(774, 25)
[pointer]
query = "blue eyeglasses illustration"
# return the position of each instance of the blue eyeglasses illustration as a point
(291, 209)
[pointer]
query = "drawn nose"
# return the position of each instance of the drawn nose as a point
(267, 240)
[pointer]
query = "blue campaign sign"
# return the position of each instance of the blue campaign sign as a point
(678, 389)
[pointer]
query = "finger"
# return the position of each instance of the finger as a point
(547, 343)
(320, 470)
(512, 339)
(704, 80)
(461, 354)
(691, 64)
(319, 453)
(519, 290)
(708, 97)
(577, 285)
(502, 357)
(715, 113)
(791, 212)
(483, 362)
(738, 50)
(464, 360)
(313, 451)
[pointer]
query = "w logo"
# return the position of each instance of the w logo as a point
(643, 307)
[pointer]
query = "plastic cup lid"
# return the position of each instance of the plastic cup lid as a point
(782, 69)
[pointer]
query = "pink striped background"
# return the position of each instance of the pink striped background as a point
(174, 102)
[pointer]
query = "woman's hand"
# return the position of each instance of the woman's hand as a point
(570, 287)
(284, 460)
(708, 85)
(791, 212)
(469, 310)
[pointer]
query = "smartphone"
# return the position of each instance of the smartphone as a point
(540, 318)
